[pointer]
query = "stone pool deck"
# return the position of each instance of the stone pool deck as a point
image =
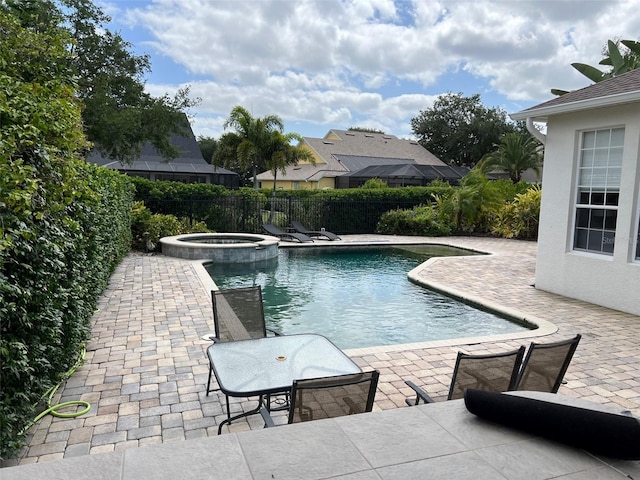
(145, 370)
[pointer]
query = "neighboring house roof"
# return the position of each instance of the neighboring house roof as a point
(364, 144)
(189, 161)
(617, 90)
(411, 170)
(342, 151)
(357, 162)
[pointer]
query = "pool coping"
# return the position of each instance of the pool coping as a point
(254, 247)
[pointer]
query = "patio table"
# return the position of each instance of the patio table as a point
(265, 366)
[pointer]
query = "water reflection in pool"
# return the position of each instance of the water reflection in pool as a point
(359, 297)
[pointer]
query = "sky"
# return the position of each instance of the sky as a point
(335, 64)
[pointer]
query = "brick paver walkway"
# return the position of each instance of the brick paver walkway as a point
(146, 370)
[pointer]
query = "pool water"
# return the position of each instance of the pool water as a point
(359, 297)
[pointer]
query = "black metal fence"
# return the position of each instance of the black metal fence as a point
(246, 214)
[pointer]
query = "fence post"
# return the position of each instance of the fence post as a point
(191, 209)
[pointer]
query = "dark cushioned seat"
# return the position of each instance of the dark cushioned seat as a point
(596, 431)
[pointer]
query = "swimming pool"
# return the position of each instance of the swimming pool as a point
(359, 296)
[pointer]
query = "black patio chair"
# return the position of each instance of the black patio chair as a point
(329, 397)
(545, 365)
(298, 227)
(282, 235)
(238, 314)
(494, 372)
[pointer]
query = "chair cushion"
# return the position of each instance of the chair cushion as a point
(596, 431)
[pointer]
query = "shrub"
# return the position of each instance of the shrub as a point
(374, 183)
(470, 208)
(421, 220)
(148, 228)
(519, 219)
(54, 264)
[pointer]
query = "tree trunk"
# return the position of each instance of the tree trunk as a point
(273, 198)
(255, 177)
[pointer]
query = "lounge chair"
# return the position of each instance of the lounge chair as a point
(282, 235)
(298, 227)
(329, 397)
(545, 365)
(495, 373)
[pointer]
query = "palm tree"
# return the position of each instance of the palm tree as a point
(620, 61)
(255, 135)
(283, 153)
(516, 153)
(470, 207)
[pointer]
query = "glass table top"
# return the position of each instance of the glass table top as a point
(268, 365)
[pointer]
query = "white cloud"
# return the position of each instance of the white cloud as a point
(330, 61)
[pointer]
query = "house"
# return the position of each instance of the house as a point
(589, 235)
(345, 158)
(188, 167)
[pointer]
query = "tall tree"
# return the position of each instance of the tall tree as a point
(208, 147)
(118, 115)
(256, 137)
(283, 153)
(460, 130)
(619, 61)
(226, 155)
(516, 153)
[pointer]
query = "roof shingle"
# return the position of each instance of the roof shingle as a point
(627, 83)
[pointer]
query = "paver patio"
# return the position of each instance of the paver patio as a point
(145, 370)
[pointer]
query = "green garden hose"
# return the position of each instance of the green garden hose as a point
(49, 394)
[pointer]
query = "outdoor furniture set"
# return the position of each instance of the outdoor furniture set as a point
(247, 362)
(318, 380)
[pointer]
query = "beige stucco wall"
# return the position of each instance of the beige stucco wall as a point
(327, 182)
(323, 183)
(611, 281)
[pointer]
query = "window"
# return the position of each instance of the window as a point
(598, 190)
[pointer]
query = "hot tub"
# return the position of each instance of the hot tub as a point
(221, 247)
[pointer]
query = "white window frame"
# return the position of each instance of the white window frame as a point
(597, 194)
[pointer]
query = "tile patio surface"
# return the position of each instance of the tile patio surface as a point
(146, 370)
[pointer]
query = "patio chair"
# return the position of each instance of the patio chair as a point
(282, 235)
(545, 365)
(329, 397)
(298, 227)
(494, 372)
(238, 314)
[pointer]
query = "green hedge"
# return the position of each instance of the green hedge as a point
(422, 221)
(213, 205)
(355, 210)
(473, 207)
(54, 263)
(64, 224)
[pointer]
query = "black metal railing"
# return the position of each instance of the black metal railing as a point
(245, 214)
